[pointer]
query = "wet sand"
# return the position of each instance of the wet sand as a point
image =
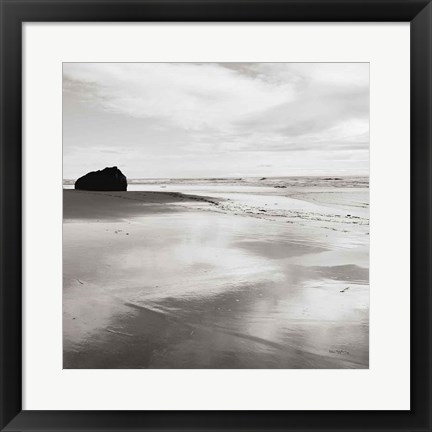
(205, 279)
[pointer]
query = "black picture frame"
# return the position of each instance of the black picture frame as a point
(16, 12)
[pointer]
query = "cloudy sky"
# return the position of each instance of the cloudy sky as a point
(216, 119)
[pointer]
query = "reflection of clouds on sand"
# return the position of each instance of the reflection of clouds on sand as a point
(199, 288)
(183, 254)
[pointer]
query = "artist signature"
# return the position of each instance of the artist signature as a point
(339, 351)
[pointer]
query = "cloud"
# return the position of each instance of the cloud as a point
(190, 96)
(215, 110)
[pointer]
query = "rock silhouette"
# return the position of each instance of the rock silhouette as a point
(108, 179)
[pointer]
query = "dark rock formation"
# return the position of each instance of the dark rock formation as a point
(108, 179)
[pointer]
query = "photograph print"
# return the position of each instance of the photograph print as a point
(215, 215)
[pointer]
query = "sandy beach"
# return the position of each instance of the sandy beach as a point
(255, 273)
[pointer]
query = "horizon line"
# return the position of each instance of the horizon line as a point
(237, 177)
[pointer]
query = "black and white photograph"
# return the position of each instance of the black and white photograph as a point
(215, 215)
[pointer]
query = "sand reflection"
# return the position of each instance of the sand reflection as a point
(187, 288)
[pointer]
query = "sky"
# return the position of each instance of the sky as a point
(195, 120)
